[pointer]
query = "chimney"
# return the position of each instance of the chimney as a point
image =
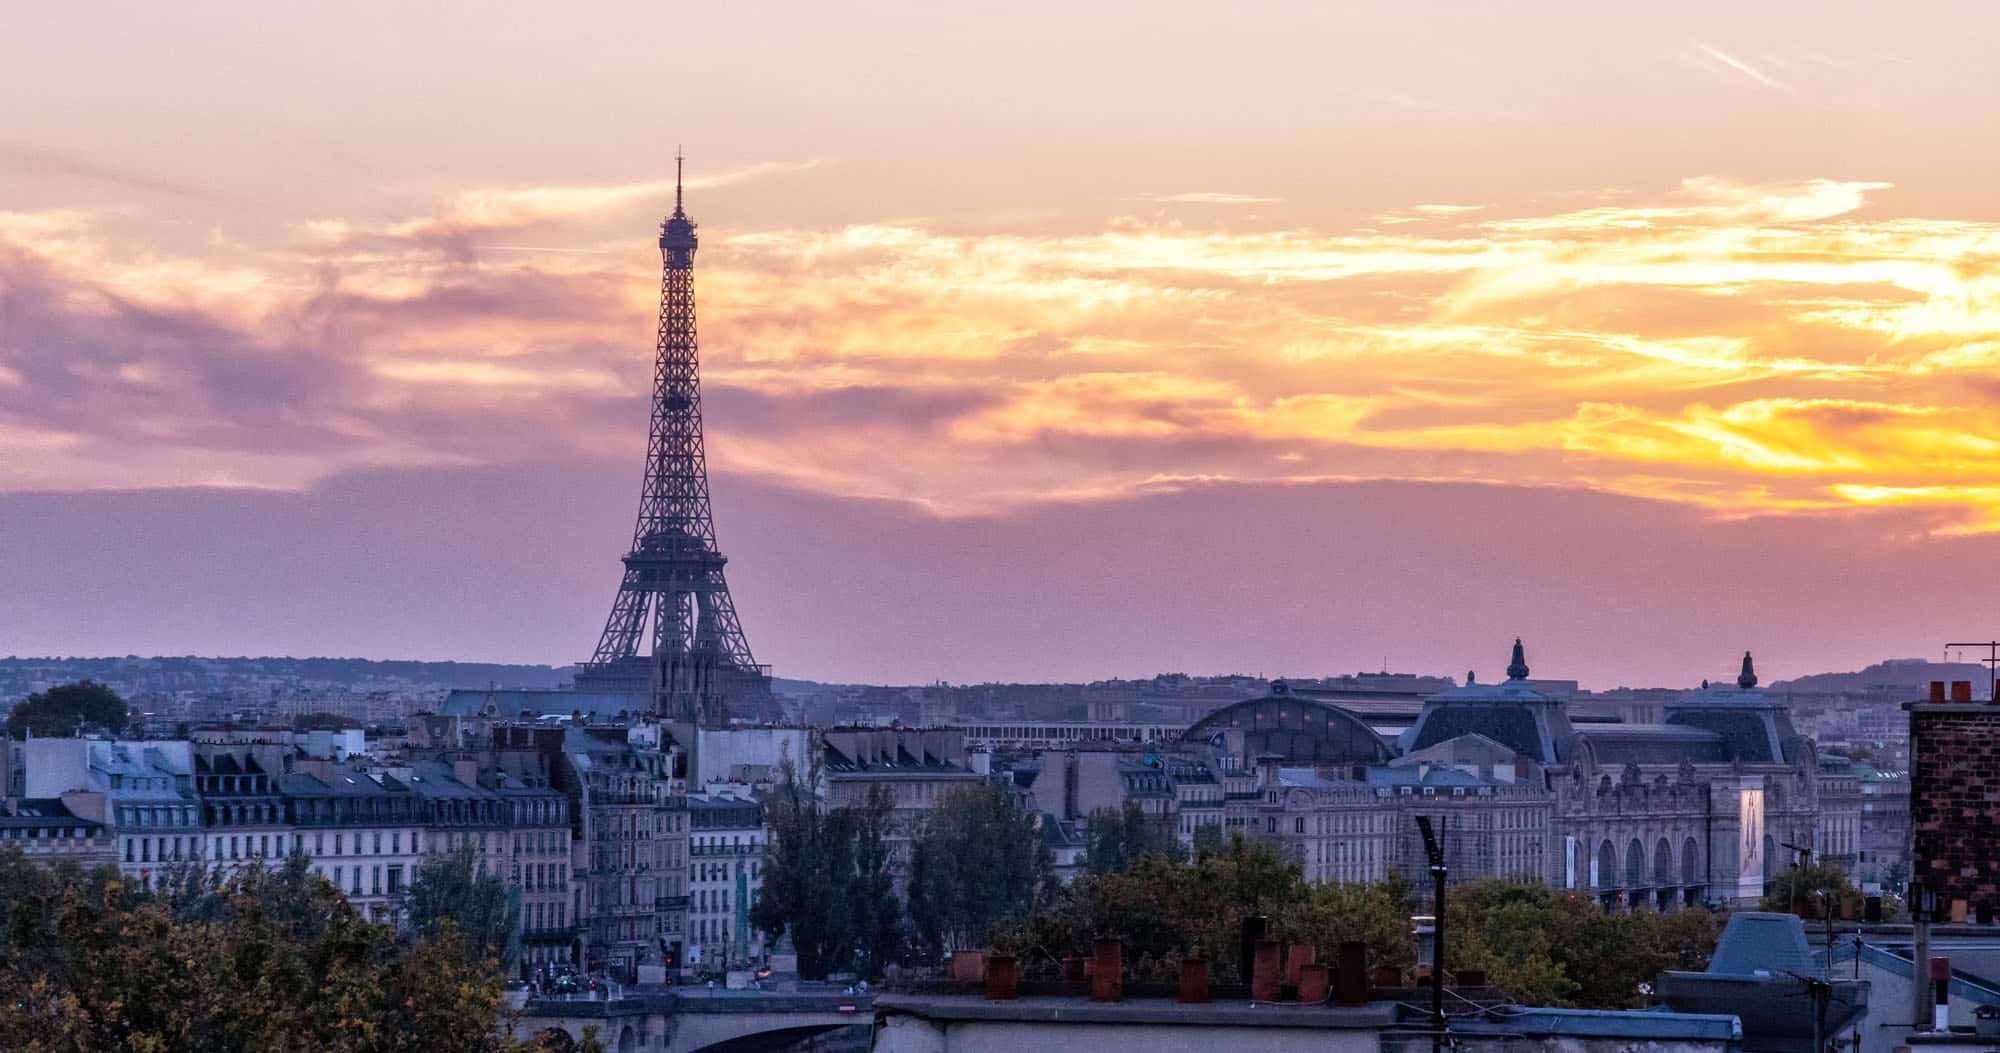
(1107, 977)
(1961, 691)
(1264, 975)
(1937, 691)
(1941, 985)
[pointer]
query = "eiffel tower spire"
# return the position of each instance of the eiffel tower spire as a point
(696, 658)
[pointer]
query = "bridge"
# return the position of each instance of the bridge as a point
(699, 1020)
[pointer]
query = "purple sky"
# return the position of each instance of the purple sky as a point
(519, 564)
(1039, 340)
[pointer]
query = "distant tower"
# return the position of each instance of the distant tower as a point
(698, 660)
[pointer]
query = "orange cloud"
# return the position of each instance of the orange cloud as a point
(1745, 349)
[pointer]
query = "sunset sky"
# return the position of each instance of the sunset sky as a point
(1039, 340)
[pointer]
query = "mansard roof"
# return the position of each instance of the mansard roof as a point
(1617, 744)
(1295, 729)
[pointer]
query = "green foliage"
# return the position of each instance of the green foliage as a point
(877, 912)
(1539, 945)
(1822, 886)
(1375, 913)
(452, 889)
(979, 861)
(266, 960)
(1547, 947)
(1164, 909)
(1688, 938)
(827, 880)
(1121, 837)
(60, 711)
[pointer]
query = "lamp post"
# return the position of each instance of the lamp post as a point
(1438, 875)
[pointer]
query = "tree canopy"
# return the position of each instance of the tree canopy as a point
(1539, 945)
(827, 880)
(1815, 886)
(60, 711)
(1120, 837)
(265, 960)
(452, 889)
(979, 860)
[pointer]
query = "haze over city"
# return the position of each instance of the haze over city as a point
(1038, 342)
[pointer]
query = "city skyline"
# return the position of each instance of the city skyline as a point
(1372, 347)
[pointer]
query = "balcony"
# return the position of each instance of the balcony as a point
(670, 903)
(551, 934)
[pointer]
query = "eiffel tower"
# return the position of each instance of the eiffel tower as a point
(698, 662)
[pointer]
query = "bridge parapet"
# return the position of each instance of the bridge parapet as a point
(691, 1020)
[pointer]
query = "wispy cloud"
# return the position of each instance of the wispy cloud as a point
(483, 212)
(44, 164)
(1203, 197)
(1748, 71)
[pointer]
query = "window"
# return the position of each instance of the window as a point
(396, 842)
(378, 842)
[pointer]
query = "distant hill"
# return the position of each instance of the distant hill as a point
(134, 674)
(1912, 675)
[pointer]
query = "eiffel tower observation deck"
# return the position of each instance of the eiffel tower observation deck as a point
(673, 633)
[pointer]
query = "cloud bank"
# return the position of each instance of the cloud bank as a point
(1792, 350)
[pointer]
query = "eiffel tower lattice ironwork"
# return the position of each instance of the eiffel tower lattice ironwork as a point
(698, 659)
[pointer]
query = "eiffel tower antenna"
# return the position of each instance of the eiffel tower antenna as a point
(695, 658)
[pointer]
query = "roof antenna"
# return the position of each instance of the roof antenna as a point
(678, 159)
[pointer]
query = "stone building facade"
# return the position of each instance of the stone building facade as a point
(1705, 806)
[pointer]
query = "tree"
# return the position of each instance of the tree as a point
(1166, 909)
(60, 711)
(1546, 947)
(1374, 913)
(452, 890)
(878, 913)
(1896, 873)
(827, 879)
(1122, 836)
(271, 959)
(1816, 887)
(978, 860)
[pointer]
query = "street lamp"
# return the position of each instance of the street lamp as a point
(1438, 874)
